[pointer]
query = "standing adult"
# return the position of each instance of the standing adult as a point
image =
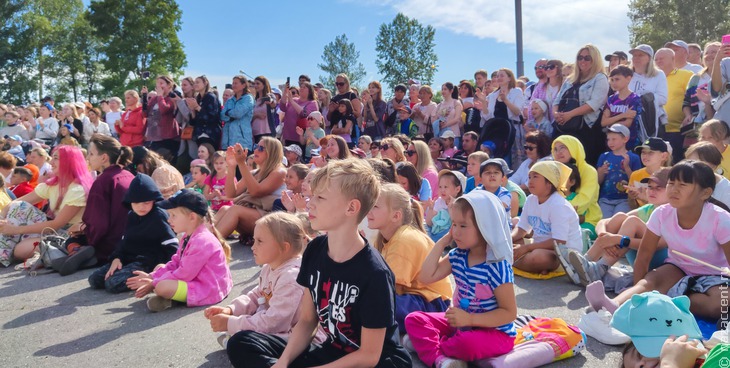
(649, 82)
(506, 103)
(344, 91)
(555, 84)
(697, 105)
(132, 124)
(481, 77)
(113, 114)
(537, 91)
(102, 224)
(590, 86)
(183, 115)
(696, 56)
(262, 123)
(681, 54)
(616, 59)
(425, 112)
(205, 109)
(237, 115)
(296, 110)
(398, 101)
(449, 111)
(677, 80)
(324, 96)
(413, 98)
(374, 109)
(163, 132)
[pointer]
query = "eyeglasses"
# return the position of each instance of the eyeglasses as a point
(339, 84)
(259, 148)
(584, 58)
(529, 148)
(550, 67)
(409, 153)
(543, 67)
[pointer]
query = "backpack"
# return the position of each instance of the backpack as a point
(647, 119)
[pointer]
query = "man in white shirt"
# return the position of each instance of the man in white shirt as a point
(681, 53)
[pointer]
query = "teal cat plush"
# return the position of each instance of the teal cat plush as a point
(651, 317)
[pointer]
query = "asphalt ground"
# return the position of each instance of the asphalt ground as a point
(53, 321)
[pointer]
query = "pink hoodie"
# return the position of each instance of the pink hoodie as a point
(202, 264)
(281, 311)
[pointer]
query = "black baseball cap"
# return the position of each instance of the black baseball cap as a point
(653, 144)
(187, 198)
(619, 54)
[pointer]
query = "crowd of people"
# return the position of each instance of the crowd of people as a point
(399, 224)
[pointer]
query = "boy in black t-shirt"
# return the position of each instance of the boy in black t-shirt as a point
(351, 289)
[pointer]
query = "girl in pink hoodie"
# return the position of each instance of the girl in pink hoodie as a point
(198, 273)
(270, 308)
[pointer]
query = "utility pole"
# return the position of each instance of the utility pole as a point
(518, 27)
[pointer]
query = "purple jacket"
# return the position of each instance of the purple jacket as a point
(105, 216)
(202, 264)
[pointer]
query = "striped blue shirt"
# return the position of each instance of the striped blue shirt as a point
(476, 284)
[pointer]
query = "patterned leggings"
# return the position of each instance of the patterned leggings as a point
(19, 214)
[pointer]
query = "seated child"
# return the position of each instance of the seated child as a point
(404, 125)
(350, 287)
(293, 154)
(568, 149)
(708, 153)
(16, 148)
(614, 169)
(24, 180)
(148, 239)
(268, 308)
(655, 153)
(473, 164)
(493, 173)
(295, 176)
(589, 218)
(198, 273)
(65, 137)
(550, 217)
(480, 324)
(215, 183)
(403, 242)
(621, 235)
(694, 228)
(438, 220)
(408, 178)
(200, 175)
(188, 178)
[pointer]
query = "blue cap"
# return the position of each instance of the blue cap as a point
(650, 318)
(15, 138)
(187, 198)
(48, 106)
(489, 144)
(69, 127)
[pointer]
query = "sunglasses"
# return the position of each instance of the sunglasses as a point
(584, 58)
(543, 67)
(550, 67)
(295, 93)
(310, 118)
(374, 146)
(339, 84)
(529, 148)
(384, 147)
(256, 147)
(409, 153)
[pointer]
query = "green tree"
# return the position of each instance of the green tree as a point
(138, 36)
(406, 51)
(340, 56)
(654, 22)
(15, 86)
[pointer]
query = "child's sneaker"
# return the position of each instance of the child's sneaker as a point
(598, 326)
(76, 258)
(445, 362)
(405, 341)
(158, 304)
(223, 338)
(587, 271)
(562, 251)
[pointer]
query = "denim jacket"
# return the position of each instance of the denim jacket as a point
(593, 92)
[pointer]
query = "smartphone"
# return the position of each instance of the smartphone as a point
(287, 81)
(726, 39)
(145, 75)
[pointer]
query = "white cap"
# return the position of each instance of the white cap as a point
(448, 134)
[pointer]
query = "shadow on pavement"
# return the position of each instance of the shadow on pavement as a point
(216, 359)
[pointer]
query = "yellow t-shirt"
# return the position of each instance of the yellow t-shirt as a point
(4, 198)
(405, 253)
(676, 85)
(636, 177)
(725, 164)
(74, 196)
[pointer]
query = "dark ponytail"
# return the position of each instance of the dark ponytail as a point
(112, 148)
(454, 91)
(125, 156)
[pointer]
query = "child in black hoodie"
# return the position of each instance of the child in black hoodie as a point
(148, 239)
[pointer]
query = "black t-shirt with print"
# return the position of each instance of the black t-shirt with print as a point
(336, 116)
(348, 296)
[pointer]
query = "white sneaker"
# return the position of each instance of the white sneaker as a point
(562, 251)
(598, 326)
(451, 363)
(405, 341)
(223, 338)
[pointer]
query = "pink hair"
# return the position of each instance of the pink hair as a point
(72, 168)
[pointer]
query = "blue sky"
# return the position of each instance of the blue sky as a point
(280, 39)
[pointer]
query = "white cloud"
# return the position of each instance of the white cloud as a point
(553, 28)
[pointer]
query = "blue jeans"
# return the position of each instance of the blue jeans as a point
(610, 207)
(117, 283)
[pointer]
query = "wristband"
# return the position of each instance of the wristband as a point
(625, 242)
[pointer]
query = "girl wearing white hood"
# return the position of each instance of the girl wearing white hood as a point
(480, 325)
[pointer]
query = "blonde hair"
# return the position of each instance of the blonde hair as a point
(274, 156)
(286, 228)
(424, 157)
(596, 66)
(355, 180)
(397, 199)
(397, 147)
(133, 93)
(718, 129)
(478, 156)
(208, 221)
(42, 153)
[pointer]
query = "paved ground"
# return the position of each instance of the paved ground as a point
(54, 321)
